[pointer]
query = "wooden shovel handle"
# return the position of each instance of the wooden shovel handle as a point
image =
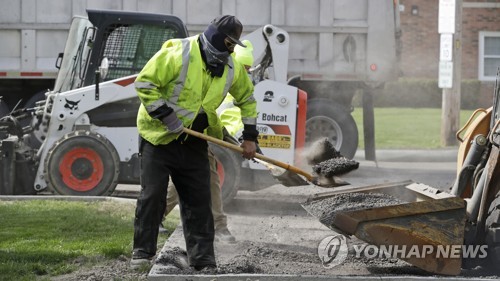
(236, 148)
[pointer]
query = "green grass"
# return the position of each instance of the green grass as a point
(43, 238)
(411, 128)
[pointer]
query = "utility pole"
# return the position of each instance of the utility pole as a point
(450, 62)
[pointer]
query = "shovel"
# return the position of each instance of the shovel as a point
(290, 176)
(285, 177)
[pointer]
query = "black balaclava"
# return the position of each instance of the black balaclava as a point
(214, 51)
(212, 46)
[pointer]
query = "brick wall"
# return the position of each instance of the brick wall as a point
(475, 20)
(420, 40)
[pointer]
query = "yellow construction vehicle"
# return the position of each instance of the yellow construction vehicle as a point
(439, 231)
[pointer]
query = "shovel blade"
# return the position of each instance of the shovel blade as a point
(329, 182)
(288, 178)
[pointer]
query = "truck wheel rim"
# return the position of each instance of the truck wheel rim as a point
(222, 174)
(81, 169)
(320, 126)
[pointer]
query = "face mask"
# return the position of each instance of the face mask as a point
(214, 56)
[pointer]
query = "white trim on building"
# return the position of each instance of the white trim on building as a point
(489, 55)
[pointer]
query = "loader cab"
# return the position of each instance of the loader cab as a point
(117, 44)
(123, 41)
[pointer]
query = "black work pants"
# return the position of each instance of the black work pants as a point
(187, 164)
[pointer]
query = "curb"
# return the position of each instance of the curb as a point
(65, 198)
(263, 277)
(263, 205)
(412, 155)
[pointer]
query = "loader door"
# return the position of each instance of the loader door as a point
(127, 41)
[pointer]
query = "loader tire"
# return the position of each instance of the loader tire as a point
(4, 109)
(31, 104)
(326, 119)
(228, 168)
(82, 163)
(39, 96)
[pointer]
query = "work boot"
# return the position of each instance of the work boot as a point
(139, 262)
(206, 269)
(223, 235)
(162, 229)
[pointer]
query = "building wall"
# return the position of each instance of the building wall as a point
(474, 21)
(420, 38)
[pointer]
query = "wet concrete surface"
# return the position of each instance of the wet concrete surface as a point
(278, 240)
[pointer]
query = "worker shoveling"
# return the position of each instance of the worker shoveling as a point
(288, 175)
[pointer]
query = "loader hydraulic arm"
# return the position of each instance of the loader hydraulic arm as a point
(270, 50)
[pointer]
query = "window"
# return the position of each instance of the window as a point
(129, 47)
(489, 55)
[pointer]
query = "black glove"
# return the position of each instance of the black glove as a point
(250, 132)
(173, 123)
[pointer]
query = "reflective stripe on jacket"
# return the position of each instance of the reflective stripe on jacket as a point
(176, 77)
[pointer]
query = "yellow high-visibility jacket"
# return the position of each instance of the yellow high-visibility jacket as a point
(176, 77)
(230, 116)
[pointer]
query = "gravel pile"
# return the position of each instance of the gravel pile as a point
(118, 269)
(326, 210)
(239, 265)
(255, 258)
(326, 161)
(335, 167)
(266, 258)
(176, 257)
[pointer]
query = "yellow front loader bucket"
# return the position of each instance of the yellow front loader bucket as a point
(425, 225)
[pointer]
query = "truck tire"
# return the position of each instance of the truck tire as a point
(30, 104)
(326, 119)
(228, 168)
(34, 99)
(4, 109)
(492, 229)
(82, 163)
